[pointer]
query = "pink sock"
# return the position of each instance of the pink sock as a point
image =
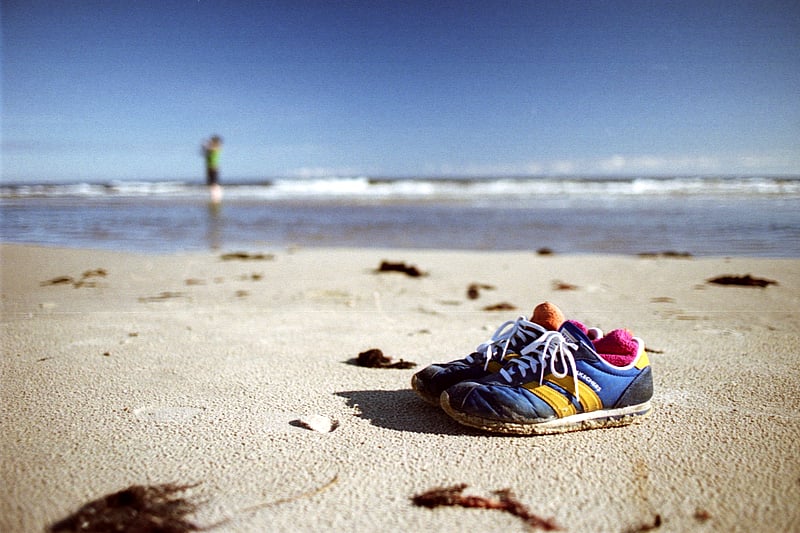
(617, 347)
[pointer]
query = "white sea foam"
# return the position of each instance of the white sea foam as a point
(364, 188)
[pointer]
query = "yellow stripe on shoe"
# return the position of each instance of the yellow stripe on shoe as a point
(557, 401)
(560, 403)
(589, 399)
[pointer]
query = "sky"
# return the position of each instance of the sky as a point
(129, 90)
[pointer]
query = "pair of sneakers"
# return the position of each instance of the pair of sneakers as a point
(544, 375)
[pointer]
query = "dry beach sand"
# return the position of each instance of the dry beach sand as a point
(190, 369)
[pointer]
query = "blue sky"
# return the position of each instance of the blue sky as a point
(106, 90)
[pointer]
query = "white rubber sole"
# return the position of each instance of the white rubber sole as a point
(603, 418)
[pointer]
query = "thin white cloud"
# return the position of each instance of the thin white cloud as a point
(637, 164)
(322, 172)
(615, 163)
(611, 165)
(562, 167)
(657, 164)
(777, 161)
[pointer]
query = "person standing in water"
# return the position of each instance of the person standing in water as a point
(211, 150)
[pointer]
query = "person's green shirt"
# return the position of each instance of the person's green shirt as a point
(212, 158)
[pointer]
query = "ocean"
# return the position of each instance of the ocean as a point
(700, 216)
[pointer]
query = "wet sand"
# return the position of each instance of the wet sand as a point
(129, 369)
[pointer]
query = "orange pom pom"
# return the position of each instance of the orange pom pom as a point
(548, 316)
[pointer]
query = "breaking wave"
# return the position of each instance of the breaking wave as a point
(466, 189)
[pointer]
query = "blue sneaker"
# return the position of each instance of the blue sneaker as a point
(507, 342)
(559, 383)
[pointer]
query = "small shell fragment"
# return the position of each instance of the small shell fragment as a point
(319, 423)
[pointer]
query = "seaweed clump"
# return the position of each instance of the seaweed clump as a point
(83, 281)
(140, 509)
(374, 358)
(505, 501)
(246, 256)
(474, 290)
(502, 306)
(743, 281)
(408, 270)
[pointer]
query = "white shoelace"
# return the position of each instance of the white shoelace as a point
(551, 346)
(508, 331)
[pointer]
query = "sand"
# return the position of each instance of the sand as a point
(192, 369)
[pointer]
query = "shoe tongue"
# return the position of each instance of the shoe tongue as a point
(573, 333)
(548, 315)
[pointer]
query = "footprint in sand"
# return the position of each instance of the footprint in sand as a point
(172, 415)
